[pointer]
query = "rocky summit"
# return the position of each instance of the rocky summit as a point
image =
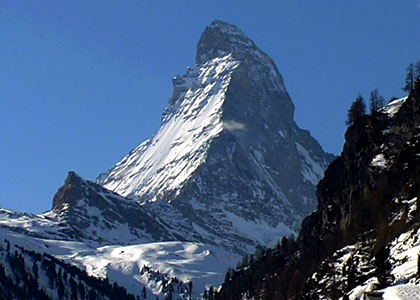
(228, 161)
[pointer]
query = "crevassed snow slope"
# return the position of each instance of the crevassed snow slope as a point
(160, 164)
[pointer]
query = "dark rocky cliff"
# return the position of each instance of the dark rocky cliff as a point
(363, 199)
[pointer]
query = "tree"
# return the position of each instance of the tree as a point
(35, 269)
(190, 287)
(409, 79)
(244, 262)
(381, 102)
(383, 267)
(357, 110)
(418, 265)
(373, 101)
(92, 295)
(211, 293)
(417, 70)
(376, 101)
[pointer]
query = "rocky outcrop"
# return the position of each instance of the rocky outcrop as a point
(368, 196)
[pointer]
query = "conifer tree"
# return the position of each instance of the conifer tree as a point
(357, 109)
(418, 265)
(373, 101)
(381, 102)
(376, 102)
(211, 293)
(383, 267)
(417, 70)
(409, 79)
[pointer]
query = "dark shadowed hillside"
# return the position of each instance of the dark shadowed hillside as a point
(367, 198)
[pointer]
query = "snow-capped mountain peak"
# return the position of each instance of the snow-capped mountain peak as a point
(227, 144)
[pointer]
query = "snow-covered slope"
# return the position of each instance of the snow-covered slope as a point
(228, 165)
(112, 237)
(165, 162)
(155, 266)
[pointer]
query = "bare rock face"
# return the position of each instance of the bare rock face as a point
(228, 166)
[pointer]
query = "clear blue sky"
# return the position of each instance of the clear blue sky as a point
(83, 82)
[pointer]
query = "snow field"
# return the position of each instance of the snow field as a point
(203, 265)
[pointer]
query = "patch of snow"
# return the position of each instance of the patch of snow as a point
(282, 134)
(404, 252)
(259, 164)
(393, 107)
(312, 171)
(379, 161)
(260, 231)
(358, 292)
(402, 292)
(412, 208)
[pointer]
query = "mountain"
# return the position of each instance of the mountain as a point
(108, 236)
(228, 170)
(362, 242)
(85, 211)
(229, 165)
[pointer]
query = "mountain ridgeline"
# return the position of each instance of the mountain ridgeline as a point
(367, 206)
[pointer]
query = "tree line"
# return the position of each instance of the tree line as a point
(376, 101)
(412, 75)
(258, 272)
